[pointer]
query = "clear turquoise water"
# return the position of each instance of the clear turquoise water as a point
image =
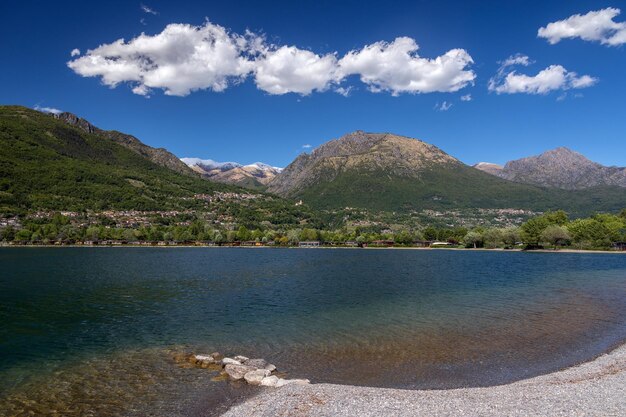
(93, 329)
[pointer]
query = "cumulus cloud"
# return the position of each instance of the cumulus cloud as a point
(185, 58)
(597, 26)
(287, 69)
(148, 10)
(179, 60)
(396, 67)
(554, 77)
(443, 106)
(307, 146)
(50, 110)
(75, 52)
(466, 97)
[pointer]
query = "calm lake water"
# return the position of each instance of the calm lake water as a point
(92, 331)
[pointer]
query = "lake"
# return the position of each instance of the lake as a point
(92, 331)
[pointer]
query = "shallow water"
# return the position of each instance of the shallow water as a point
(92, 331)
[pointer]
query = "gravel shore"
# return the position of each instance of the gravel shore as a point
(596, 388)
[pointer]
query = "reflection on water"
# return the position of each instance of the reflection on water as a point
(91, 331)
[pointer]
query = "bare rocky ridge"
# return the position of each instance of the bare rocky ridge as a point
(159, 156)
(373, 152)
(560, 168)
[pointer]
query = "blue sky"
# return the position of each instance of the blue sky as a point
(254, 119)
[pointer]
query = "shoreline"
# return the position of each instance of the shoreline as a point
(517, 250)
(597, 387)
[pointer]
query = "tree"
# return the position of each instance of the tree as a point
(493, 237)
(473, 238)
(243, 233)
(532, 229)
(510, 236)
(293, 236)
(403, 238)
(558, 217)
(7, 234)
(555, 235)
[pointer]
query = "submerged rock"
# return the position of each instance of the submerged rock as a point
(204, 359)
(256, 377)
(237, 371)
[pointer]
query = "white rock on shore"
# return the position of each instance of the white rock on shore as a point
(256, 377)
(237, 372)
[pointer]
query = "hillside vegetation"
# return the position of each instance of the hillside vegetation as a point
(48, 164)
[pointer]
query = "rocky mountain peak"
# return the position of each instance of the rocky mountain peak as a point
(559, 168)
(386, 153)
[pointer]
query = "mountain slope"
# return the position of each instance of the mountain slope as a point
(159, 156)
(47, 164)
(255, 176)
(393, 173)
(561, 168)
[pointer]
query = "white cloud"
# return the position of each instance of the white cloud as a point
(555, 77)
(307, 146)
(466, 97)
(344, 91)
(179, 60)
(396, 67)
(596, 26)
(148, 10)
(185, 58)
(443, 106)
(288, 69)
(51, 110)
(517, 59)
(75, 52)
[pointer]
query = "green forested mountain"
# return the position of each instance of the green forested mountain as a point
(48, 164)
(393, 173)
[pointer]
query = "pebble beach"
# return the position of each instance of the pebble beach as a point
(596, 388)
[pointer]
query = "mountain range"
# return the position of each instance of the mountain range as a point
(559, 168)
(63, 162)
(256, 176)
(383, 171)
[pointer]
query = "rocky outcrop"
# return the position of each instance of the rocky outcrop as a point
(159, 156)
(559, 168)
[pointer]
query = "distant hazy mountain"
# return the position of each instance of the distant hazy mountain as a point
(488, 167)
(256, 175)
(159, 156)
(383, 171)
(560, 168)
